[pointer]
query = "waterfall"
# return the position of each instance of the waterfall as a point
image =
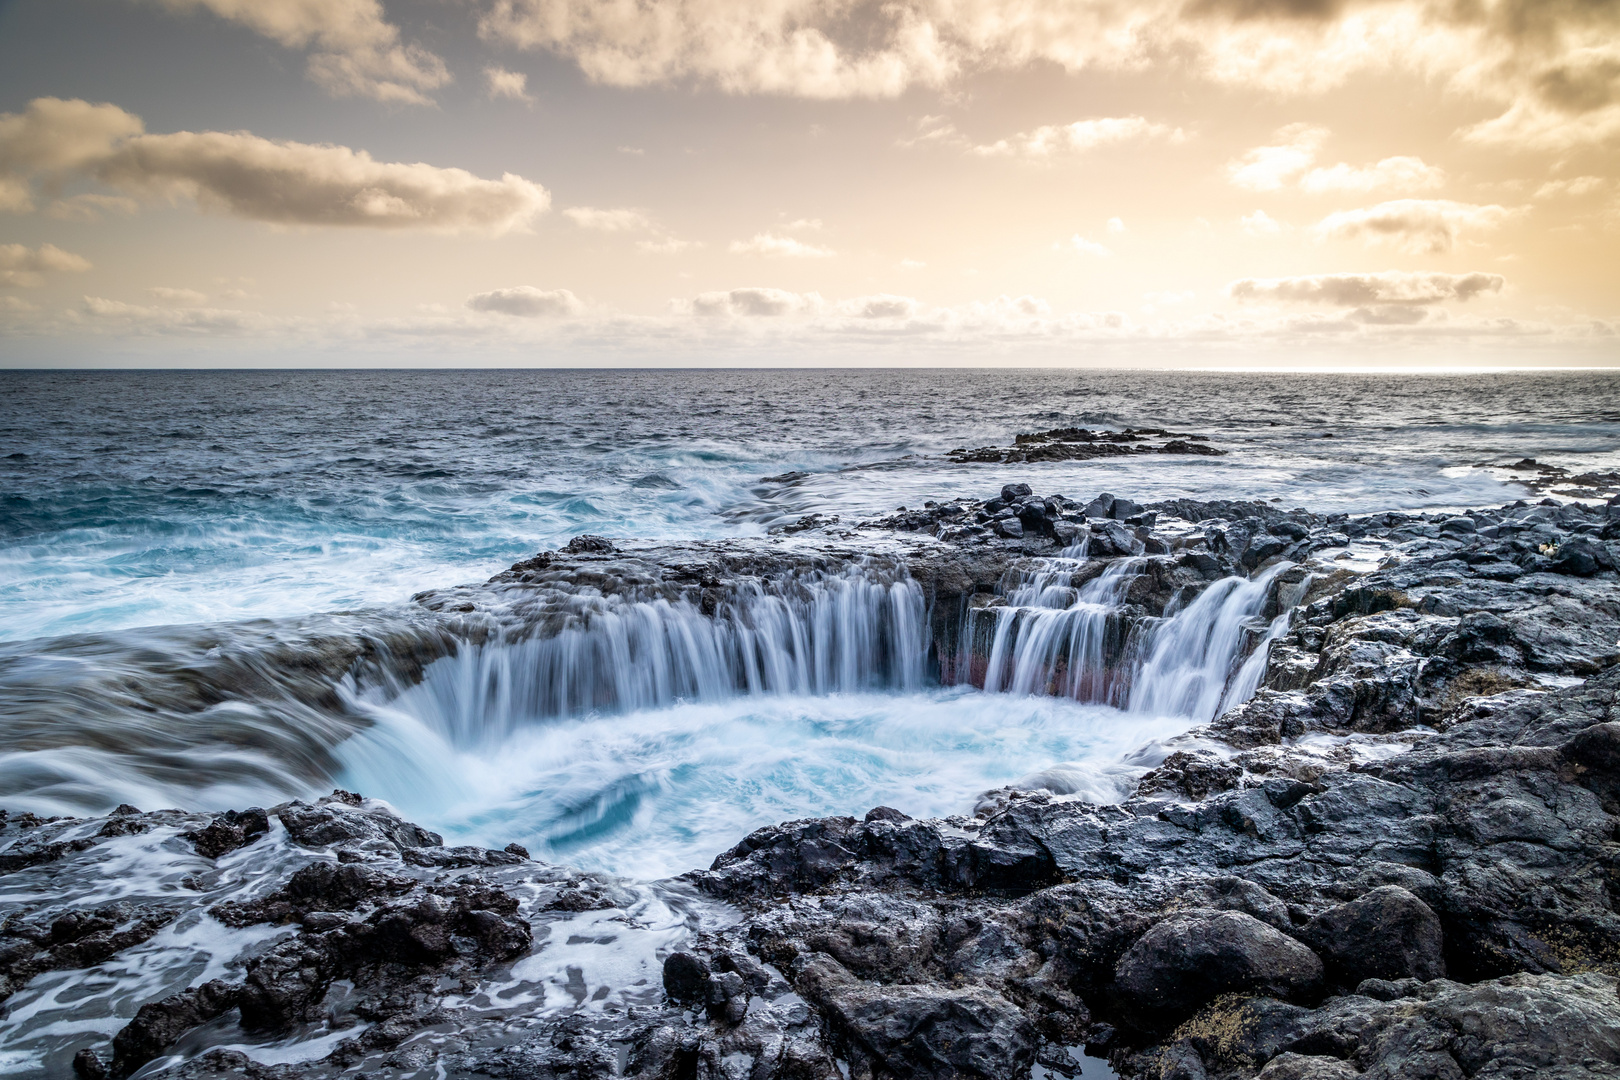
(1053, 637)
(863, 628)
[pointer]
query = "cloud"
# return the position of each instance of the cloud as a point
(526, 301)
(754, 302)
(1392, 287)
(1260, 223)
(1089, 247)
(1116, 225)
(881, 306)
(623, 220)
(54, 138)
(137, 319)
(1420, 226)
(90, 207)
(776, 246)
(1288, 162)
(243, 175)
(177, 297)
(1048, 141)
(912, 264)
(667, 245)
(1268, 168)
(355, 50)
(1399, 173)
(1552, 64)
(500, 83)
(26, 267)
(1574, 187)
(813, 224)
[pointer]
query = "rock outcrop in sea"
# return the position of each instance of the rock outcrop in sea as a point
(1394, 855)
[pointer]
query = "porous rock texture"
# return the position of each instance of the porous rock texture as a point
(1398, 860)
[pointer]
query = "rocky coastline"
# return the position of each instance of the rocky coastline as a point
(1398, 859)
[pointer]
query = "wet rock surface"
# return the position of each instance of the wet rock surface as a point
(1398, 859)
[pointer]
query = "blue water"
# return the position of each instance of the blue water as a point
(140, 498)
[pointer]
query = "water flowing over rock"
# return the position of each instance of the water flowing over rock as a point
(1384, 848)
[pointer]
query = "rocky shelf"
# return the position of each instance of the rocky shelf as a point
(1398, 859)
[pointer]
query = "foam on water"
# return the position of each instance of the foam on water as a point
(654, 793)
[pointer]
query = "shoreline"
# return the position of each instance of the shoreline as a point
(1403, 825)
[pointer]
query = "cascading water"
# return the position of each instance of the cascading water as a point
(1051, 636)
(860, 629)
(645, 734)
(643, 728)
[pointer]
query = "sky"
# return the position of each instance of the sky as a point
(1306, 184)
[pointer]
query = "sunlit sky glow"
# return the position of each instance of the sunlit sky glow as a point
(1238, 183)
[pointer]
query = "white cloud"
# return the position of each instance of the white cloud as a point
(1392, 287)
(355, 50)
(1574, 187)
(163, 294)
(1288, 162)
(1268, 168)
(1393, 173)
(526, 301)
(776, 246)
(27, 267)
(667, 245)
(122, 318)
(1420, 226)
(1260, 223)
(1550, 64)
(880, 306)
(621, 220)
(500, 83)
(912, 264)
(1088, 247)
(1048, 141)
(757, 302)
(1116, 225)
(90, 207)
(240, 174)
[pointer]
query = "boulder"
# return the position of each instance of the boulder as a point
(1193, 957)
(686, 977)
(927, 1032)
(1386, 934)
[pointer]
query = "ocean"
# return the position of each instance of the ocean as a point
(157, 528)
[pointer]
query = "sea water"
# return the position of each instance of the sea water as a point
(159, 528)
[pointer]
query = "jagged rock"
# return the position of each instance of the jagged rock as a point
(229, 831)
(339, 824)
(686, 977)
(924, 1032)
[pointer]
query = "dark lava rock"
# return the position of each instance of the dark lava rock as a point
(336, 823)
(1193, 957)
(588, 544)
(1386, 934)
(229, 831)
(158, 1024)
(923, 1032)
(686, 977)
